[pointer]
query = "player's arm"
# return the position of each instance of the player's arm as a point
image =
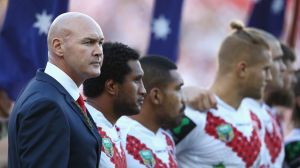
(200, 99)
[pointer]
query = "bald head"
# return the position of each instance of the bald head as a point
(67, 24)
(75, 45)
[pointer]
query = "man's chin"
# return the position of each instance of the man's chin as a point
(133, 112)
(93, 73)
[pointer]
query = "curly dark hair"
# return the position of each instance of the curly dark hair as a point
(115, 67)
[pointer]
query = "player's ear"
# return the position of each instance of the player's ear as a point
(57, 46)
(241, 69)
(112, 87)
(155, 96)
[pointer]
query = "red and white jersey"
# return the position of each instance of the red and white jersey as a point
(273, 144)
(222, 138)
(273, 137)
(145, 148)
(112, 152)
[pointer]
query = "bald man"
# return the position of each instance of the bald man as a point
(49, 125)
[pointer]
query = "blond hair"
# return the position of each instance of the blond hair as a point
(242, 44)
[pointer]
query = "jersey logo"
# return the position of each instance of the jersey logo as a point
(148, 158)
(111, 151)
(108, 147)
(225, 132)
(134, 147)
(246, 149)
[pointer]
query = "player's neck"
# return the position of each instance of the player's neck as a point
(227, 94)
(147, 119)
(105, 107)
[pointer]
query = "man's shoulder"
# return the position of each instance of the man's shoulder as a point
(38, 95)
(125, 122)
(194, 115)
(124, 125)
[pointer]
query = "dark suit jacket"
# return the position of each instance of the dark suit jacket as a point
(48, 129)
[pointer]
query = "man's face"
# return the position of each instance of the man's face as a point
(278, 68)
(83, 53)
(289, 77)
(259, 75)
(131, 92)
(172, 104)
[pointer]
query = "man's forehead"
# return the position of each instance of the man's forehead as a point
(276, 51)
(135, 67)
(176, 76)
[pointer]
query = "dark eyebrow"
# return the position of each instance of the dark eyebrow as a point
(139, 76)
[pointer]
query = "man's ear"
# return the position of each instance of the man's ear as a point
(57, 46)
(155, 96)
(241, 69)
(112, 87)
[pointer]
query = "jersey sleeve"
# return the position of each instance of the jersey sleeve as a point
(190, 129)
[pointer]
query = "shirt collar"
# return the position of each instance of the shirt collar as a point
(63, 79)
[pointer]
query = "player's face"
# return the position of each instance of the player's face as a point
(278, 68)
(173, 104)
(259, 74)
(131, 92)
(289, 77)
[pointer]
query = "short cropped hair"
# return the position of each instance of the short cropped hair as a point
(243, 43)
(156, 71)
(115, 66)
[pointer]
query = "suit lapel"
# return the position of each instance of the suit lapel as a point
(89, 124)
(91, 127)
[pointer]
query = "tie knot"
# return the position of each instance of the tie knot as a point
(81, 103)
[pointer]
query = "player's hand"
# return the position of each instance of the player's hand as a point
(200, 99)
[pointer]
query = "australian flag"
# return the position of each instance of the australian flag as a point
(23, 41)
(269, 16)
(165, 28)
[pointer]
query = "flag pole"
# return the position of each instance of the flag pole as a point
(293, 31)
